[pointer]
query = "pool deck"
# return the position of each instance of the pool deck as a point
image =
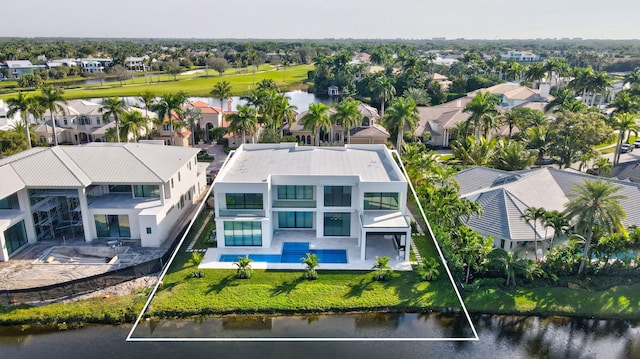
(376, 247)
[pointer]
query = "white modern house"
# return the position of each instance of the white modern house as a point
(353, 194)
(125, 191)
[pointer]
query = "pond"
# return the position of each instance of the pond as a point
(500, 337)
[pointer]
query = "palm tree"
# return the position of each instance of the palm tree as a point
(147, 98)
(429, 268)
(382, 267)
(541, 138)
(623, 123)
(511, 263)
(244, 121)
(402, 114)
(512, 119)
(383, 90)
(482, 105)
(512, 156)
(535, 72)
(113, 107)
(347, 115)
(244, 267)
(311, 263)
(317, 117)
(194, 115)
(418, 95)
(221, 90)
(167, 105)
(474, 151)
(625, 102)
(23, 105)
(558, 221)
(535, 215)
(595, 204)
(284, 112)
(50, 98)
(132, 124)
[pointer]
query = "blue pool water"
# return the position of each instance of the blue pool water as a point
(292, 252)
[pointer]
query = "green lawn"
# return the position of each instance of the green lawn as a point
(194, 84)
(616, 302)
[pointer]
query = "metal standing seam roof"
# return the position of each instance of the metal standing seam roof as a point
(256, 163)
(95, 163)
(10, 183)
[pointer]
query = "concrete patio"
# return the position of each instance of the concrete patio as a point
(377, 245)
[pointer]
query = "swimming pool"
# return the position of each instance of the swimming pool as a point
(292, 252)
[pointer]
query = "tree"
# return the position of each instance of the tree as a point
(382, 268)
(535, 215)
(624, 102)
(316, 118)
(172, 67)
(383, 90)
(429, 268)
(30, 81)
(535, 72)
(347, 115)
(194, 115)
(22, 104)
(311, 263)
(512, 156)
(402, 114)
(147, 98)
(51, 98)
(418, 95)
(120, 73)
(595, 206)
(167, 105)
(113, 107)
(474, 151)
(244, 121)
(623, 123)
(132, 123)
(482, 105)
(540, 139)
(219, 64)
(221, 90)
(511, 263)
(244, 267)
(558, 221)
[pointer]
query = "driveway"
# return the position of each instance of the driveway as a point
(217, 151)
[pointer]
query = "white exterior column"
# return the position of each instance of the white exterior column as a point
(363, 244)
(4, 254)
(84, 212)
(25, 206)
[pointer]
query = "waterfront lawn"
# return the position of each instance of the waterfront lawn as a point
(616, 302)
(108, 309)
(278, 291)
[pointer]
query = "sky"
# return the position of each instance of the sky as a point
(321, 19)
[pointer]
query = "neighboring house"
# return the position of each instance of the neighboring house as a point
(505, 196)
(181, 132)
(211, 116)
(347, 193)
(6, 122)
(91, 66)
(17, 68)
(82, 122)
(136, 63)
(520, 56)
(333, 90)
(442, 80)
(437, 124)
(513, 94)
(96, 191)
(367, 132)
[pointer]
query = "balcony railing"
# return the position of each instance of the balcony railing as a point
(294, 203)
(241, 213)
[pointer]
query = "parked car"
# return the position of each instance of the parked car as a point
(626, 148)
(545, 161)
(636, 144)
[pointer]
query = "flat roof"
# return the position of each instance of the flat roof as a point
(255, 163)
(384, 219)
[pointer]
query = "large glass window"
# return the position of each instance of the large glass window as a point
(244, 200)
(146, 191)
(337, 224)
(112, 225)
(15, 237)
(295, 192)
(381, 200)
(120, 188)
(243, 234)
(10, 202)
(295, 219)
(337, 196)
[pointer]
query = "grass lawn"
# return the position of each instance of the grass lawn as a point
(279, 291)
(616, 302)
(197, 85)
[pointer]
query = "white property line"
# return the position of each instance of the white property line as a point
(341, 339)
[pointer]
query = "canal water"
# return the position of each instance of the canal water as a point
(500, 337)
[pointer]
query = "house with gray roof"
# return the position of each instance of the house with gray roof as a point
(15, 69)
(113, 191)
(505, 196)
